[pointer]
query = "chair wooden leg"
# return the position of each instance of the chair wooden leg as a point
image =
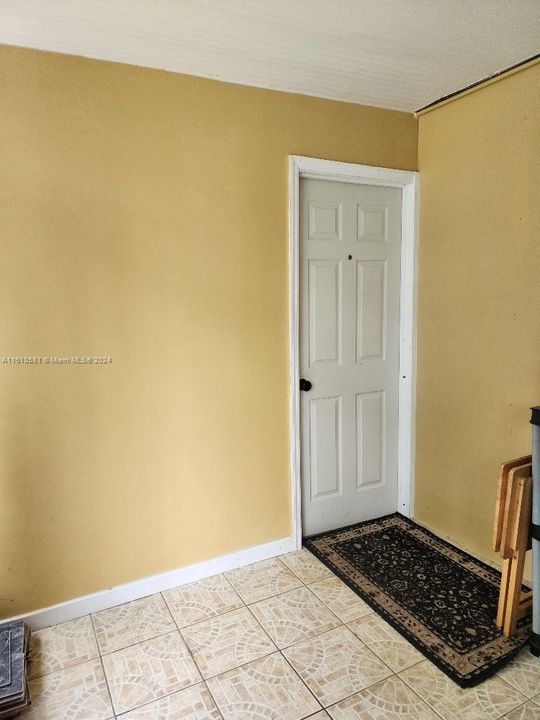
(503, 593)
(514, 593)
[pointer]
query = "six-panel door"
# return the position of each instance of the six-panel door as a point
(350, 246)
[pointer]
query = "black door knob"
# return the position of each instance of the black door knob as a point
(305, 385)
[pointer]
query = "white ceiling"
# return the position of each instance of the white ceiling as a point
(399, 54)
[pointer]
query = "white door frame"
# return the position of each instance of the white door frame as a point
(317, 169)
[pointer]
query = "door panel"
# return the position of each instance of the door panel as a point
(370, 309)
(325, 220)
(372, 223)
(324, 312)
(370, 432)
(325, 450)
(350, 246)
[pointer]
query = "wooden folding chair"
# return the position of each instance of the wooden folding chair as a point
(500, 506)
(511, 537)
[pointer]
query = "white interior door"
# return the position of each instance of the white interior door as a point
(350, 247)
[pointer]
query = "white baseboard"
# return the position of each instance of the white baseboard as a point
(104, 599)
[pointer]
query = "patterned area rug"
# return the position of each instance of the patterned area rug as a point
(438, 597)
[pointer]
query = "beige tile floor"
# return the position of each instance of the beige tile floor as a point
(283, 639)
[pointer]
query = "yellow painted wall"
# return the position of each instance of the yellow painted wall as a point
(478, 325)
(144, 217)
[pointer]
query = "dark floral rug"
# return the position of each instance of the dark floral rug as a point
(438, 597)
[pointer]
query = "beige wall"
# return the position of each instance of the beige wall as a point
(479, 329)
(144, 216)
